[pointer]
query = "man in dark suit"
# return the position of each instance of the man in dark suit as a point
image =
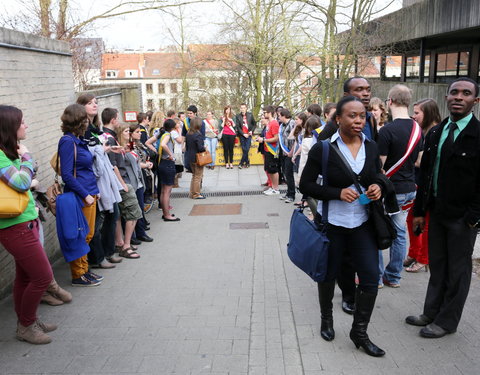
(245, 125)
(450, 189)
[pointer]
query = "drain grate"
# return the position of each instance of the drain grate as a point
(248, 225)
(223, 193)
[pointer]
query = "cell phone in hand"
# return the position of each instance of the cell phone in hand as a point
(417, 231)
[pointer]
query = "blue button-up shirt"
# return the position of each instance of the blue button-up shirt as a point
(344, 214)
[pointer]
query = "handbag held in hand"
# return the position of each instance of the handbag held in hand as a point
(308, 243)
(203, 158)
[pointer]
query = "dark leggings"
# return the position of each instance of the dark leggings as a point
(360, 243)
(228, 143)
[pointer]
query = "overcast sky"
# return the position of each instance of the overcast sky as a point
(148, 29)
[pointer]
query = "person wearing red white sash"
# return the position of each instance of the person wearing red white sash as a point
(400, 144)
(211, 137)
(245, 123)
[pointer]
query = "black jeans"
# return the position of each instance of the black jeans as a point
(360, 243)
(245, 143)
(228, 143)
(450, 248)
(141, 224)
(288, 174)
(102, 244)
(108, 230)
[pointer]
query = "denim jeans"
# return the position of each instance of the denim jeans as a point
(245, 143)
(398, 250)
(211, 145)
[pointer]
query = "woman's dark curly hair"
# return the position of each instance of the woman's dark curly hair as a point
(74, 119)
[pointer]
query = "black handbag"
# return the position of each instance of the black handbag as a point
(385, 232)
(308, 243)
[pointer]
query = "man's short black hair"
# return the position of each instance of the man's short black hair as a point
(315, 109)
(346, 84)
(466, 79)
(285, 113)
(192, 108)
(108, 114)
(269, 109)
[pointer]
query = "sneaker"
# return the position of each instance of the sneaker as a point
(93, 276)
(283, 197)
(289, 200)
(267, 191)
(271, 192)
(84, 281)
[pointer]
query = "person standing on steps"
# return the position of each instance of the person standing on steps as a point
(245, 124)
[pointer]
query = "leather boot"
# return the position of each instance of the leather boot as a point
(325, 297)
(363, 311)
(32, 334)
(50, 300)
(58, 292)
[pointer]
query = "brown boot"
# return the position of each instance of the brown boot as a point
(50, 300)
(58, 292)
(46, 327)
(32, 334)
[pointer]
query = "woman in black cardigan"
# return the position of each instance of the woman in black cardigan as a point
(195, 144)
(348, 227)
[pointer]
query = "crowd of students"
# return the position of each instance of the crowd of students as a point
(112, 172)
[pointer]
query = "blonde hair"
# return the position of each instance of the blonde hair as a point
(156, 122)
(381, 105)
(400, 95)
(121, 129)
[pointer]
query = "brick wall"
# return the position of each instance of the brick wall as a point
(35, 76)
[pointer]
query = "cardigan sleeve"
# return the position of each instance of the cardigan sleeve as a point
(18, 179)
(308, 180)
(66, 151)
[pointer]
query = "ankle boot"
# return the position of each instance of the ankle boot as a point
(363, 310)
(58, 292)
(32, 334)
(50, 300)
(325, 297)
(46, 327)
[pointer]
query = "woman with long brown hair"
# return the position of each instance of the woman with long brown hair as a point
(20, 235)
(195, 144)
(427, 115)
(228, 135)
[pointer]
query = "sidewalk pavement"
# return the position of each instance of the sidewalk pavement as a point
(206, 298)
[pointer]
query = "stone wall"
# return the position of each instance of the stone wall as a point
(35, 76)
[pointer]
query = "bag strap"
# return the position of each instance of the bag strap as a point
(353, 175)
(415, 136)
(74, 163)
(325, 154)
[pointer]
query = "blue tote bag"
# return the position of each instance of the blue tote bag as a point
(308, 244)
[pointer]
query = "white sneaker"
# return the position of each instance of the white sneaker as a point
(283, 197)
(271, 192)
(268, 191)
(288, 200)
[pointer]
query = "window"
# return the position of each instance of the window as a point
(174, 103)
(393, 68)
(131, 73)
(88, 49)
(173, 88)
(150, 104)
(202, 83)
(161, 88)
(111, 73)
(212, 82)
(155, 72)
(413, 68)
(452, 65)
(161, 104)
(308, 80)
(149, 88)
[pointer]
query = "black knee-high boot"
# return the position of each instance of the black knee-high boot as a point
(363, 310)
(325, 297)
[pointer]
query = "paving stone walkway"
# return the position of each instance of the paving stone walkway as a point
(205, 298)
